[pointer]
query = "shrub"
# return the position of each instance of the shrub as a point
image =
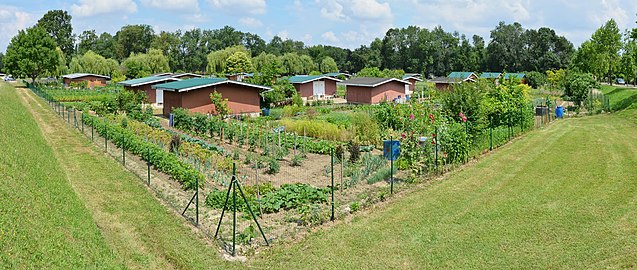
(291, 110)
(297, 160)
(354, 152)
(273, 166)
(317, 129)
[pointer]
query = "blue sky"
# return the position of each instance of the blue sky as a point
(345, 23)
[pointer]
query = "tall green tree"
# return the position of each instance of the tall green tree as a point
(505, 51)
(105, 45)
(145, 64)
(87, 41)
(217, 60)
(238, 62)
(328, 65)
(607, 41)
(133, 39)
(31, 53)
(57, 23)
(1, 61)
(91, 62)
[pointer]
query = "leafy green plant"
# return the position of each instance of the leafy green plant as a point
(273, 166)
(297, 160)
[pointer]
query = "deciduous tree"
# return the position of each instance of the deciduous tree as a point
(31, 53)
(57, 23)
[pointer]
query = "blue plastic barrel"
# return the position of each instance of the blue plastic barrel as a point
(559, 112)
(171, 120)
(265, 112)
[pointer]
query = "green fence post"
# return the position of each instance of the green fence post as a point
(197, 201)
(75, 117)
(148, 160)
(391, 165)
(105, 137)
(92, 128)
(234, 209)
(510, 127)
(123, 149)
(436, 147)
(491, 136)
(68, 115)
(332, 169)
(82, 120)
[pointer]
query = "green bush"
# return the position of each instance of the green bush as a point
(273, 166)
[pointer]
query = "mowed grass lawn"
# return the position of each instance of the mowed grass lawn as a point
(620, 97)
(65, 205)
(561, 197)
(43, 223)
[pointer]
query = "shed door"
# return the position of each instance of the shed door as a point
(159, 96)
(407, 92)
(319, 88)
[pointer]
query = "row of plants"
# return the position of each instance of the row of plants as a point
(271, 200)
(253, 135)
(162, 160)
(85, 95)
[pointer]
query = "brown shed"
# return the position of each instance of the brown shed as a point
(367, 90)
(91, 79)
(412, 79)
(194, 94)
(145, 85)
(318, 86)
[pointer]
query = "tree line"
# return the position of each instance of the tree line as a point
(137, 50)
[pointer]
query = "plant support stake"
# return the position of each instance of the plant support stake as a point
(332, 166)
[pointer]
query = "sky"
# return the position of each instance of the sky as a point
(344, 23)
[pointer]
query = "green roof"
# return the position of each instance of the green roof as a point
(194, 83)
(514, 75)
(185, 84)
(309, 78)
(490, 75)
(459, 75)
(304, 78)
(146, 80)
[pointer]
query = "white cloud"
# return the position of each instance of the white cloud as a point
(87, 8)
(330, 37)
(307, 38)
(370, 10)
(250, 22)
(333, 10)
(12, 20)
(284, 34)
(611, 9)
(179, 5)
(240, 6)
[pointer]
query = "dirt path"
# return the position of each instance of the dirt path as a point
(137, 228)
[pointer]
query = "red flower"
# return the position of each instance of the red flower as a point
(411, 116)
(463, 117)
(403, 135)
(431, 116)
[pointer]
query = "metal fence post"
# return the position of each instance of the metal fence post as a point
(234, 209)
(92, 128)
(491, 136)
(391, 165)
(436, 147)
(123, 149)
(332, 167)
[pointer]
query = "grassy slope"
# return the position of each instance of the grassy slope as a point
(140, 231)
(43, 224)
(562, 197)
(620, 97)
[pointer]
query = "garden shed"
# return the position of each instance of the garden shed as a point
(194, 95)
(490, 75)
(412, 79)
(145, 85)
(463, 76)
(517, 76)
(91, 80)
(317, 87)
(368, 90)
(444, 83)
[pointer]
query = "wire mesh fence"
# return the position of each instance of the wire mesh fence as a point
(204, 167)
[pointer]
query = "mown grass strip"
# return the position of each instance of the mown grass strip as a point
(141, 232)
(43, 223)
(562, 197)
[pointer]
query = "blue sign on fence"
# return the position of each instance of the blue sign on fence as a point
(391, 149)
